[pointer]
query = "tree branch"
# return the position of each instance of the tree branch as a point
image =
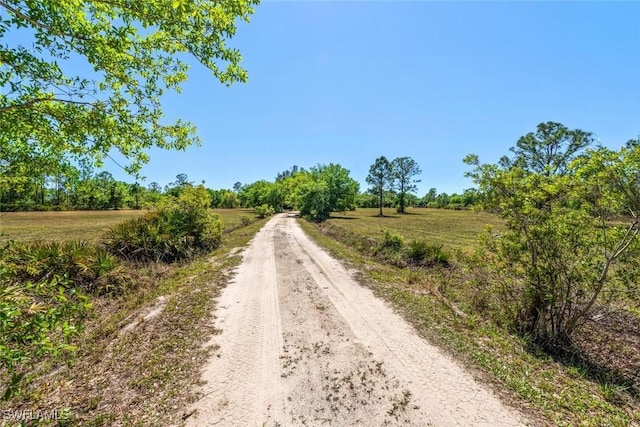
(35, 101)
(38, 24)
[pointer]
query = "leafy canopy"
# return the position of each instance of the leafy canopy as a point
(80, 78)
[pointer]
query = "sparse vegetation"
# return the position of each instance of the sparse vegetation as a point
(450, 307)
(66, 297)
(392, 243)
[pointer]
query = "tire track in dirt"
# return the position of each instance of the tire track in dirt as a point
(303, 343)
(242, 378)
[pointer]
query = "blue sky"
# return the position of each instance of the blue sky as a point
(346, 82)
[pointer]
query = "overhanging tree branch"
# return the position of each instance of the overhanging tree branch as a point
(35, 101)
(18, 13)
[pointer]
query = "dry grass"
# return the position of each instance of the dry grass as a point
(79, 225)
(450, 228)
(69, 225)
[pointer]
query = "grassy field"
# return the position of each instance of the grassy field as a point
(447, 306)
(450, 228)
(78, 225)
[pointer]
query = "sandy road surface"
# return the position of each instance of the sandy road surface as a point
(303, 343)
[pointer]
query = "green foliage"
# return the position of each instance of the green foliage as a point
(549, 150)
(78, 264)
(341, 187)
(314, 200)
(264, 211)
(134, 52)
(36, 319)
(429, 254)
(391, 242)
(263, 193)
(178, 229)
(41, 301)
(322, 190)
(573, 222)
(245, 220)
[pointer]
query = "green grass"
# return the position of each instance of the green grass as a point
(550, 392)
(79, 225)
(450, 228)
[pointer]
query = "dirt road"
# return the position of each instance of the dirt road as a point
(303, 343)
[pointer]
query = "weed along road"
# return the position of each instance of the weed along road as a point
(303, 343)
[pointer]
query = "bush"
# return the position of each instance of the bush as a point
(80, 264)
(245, 220)
(417, 251)
(264, 211)
(314, 201)
(391, 242)
(422, 253)
(36, 319)
(436, 255)
(178, 229)
(42, 305)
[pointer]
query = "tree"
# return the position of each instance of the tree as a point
(430, 197)
(255, 194)
(561, 250)
(176, 188)
(237, 187)
(380, 178)
(100, 191)
(442, 200)
(325, 189)
(314, 200)
(118, 192)
(288, 173)
(550, 149)
(154, 187)
(135, 190)
(403, 170)
(229, 200)
(342, 188)
(136, 52)
(470, 197)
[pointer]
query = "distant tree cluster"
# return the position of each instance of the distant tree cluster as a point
(315, 192)
(71, 188)
(80, 188)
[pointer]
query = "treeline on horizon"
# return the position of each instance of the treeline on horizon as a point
(81, 188)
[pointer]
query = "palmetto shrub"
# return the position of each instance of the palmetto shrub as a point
(43, 301)
(429, 254)
(76, 264)
(178, 229)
